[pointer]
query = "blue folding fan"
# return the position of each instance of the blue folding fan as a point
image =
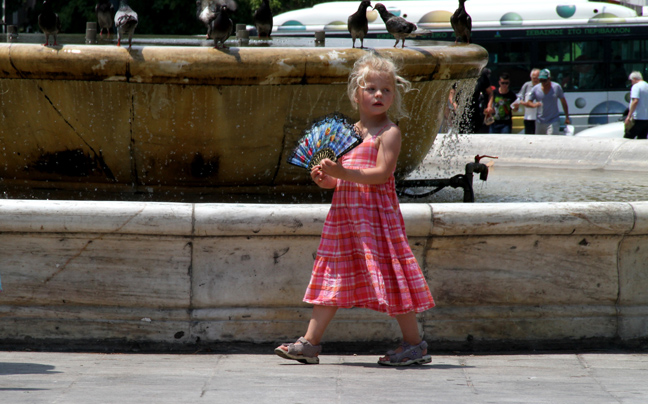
(329, 137)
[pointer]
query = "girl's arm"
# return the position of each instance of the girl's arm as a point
(390, 144)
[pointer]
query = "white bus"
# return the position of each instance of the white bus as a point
(590, 46)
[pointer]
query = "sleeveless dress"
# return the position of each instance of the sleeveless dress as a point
(364, 259)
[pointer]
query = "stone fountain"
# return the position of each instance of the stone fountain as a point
(192, 117)
(162, 275)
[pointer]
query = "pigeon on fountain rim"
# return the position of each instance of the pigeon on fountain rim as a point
(126, 22)
(358, 24)
(49, 22)
(399, 27)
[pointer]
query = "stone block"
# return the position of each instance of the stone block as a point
(523, 270)
(95, 270)
(251, 272)
(259, 220)
(641, 217)
(535, 218)
(514, 323)
(95, 217)
(286, 324)
(633, 271)
(75, 323)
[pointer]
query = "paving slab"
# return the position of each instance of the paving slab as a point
(81, 378)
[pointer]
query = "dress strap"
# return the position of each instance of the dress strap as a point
(357, 130)
(383, 129)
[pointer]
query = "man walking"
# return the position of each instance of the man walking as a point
(524, 94)
(638, 110)
(545, 96)
(504, 103)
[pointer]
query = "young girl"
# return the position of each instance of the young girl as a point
(364, 259)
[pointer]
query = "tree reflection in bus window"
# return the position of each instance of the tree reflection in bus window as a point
(554, 51)
(629, 50)
(508, 52)
(627, 56)
(587, 50)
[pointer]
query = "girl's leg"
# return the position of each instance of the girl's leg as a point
(320, 319)
(409, 327)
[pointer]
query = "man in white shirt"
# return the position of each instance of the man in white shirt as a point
(529, 112)
(638, 109)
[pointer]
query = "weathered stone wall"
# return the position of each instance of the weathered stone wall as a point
(159, 118)
(179, 273)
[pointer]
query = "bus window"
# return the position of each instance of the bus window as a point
(635, 67)
(619, 75)
(589, 76)
(576, 77)
(507, 52)
(589, 50)
(563, 75)
(553, 51)
(588, 69)
(629, 49)
(627, 56)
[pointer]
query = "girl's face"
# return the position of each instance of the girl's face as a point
(377, 95)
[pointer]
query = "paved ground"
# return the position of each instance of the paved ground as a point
(71, 378)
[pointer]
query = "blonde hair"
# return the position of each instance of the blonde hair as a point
(373, 63)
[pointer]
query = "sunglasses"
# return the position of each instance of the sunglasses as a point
(504, 83)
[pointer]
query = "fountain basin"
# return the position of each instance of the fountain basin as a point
(162, 117)
(504, 275)
(95, 274)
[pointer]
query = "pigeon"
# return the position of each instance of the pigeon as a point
(221, 26)
(49, 22)
(104, 10)
(461, 23)
(399, 27)
(358, 24)
(125, 21)
(206, 13)
(263, 19)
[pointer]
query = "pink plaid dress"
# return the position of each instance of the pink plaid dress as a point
(364, 259)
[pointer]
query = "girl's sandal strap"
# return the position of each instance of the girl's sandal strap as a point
(412, 354)
(301, 350)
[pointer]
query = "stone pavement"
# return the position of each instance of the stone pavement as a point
(82, 378)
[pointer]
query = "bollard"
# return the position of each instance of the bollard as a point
(240, 27)
(12, 33)
(91, 32)
(243, 36)
(320, 37)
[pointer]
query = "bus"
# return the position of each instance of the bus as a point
(590, 47)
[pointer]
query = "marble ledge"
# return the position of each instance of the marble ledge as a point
(421, 220)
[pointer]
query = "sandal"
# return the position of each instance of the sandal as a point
(410, 355)
(302, 351)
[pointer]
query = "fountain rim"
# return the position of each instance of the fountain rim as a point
(233, 66)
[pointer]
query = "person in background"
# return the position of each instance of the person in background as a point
(545, 97)
(450, 111)
(503, 104)
(524, 94)
(479, 104)
(638, 110)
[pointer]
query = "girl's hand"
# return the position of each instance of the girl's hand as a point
(321, 179)
(332, 169)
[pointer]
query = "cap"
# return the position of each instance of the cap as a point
(544, 74)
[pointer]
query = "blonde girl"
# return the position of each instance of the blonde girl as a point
(364, 259)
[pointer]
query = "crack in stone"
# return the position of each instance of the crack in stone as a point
(75, 256)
